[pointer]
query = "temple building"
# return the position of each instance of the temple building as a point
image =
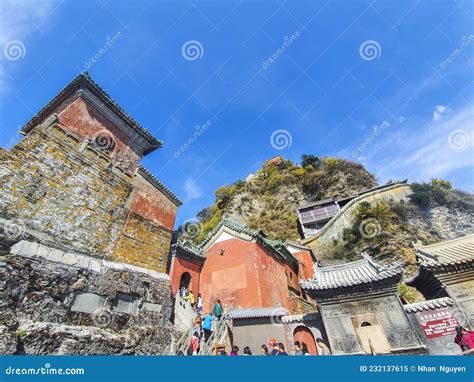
(85, 232)
(256, 279)
(75, 181)
(243, 268)
(361, 310)
(446, 271)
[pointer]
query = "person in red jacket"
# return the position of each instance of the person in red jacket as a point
(464, 338)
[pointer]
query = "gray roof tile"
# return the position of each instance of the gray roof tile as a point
(345, 275)
(188, 248)
(274, 311)
(428, 305)
(452, 252)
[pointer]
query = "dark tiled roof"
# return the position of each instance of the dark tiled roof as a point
(159, 185)
(188, 248)
(275, 311)
(363, 271)
(296, 245)
(83, 80)
(447, 253)
(428, 305)
(316, 203)
(324, 201)
(301, 318)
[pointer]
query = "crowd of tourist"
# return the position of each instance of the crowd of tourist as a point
(277, 348)
(204, 324)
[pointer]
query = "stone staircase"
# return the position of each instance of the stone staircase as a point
(184, 314)
(220, 336)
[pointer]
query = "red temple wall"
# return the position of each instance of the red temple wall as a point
(231, 277)
(273, 280)
(181, 266)
(246, 275)
(87, 123)
(151, 204)
(306, 266)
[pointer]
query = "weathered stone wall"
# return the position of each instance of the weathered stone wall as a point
(388, 311)
(62, 190)
(61, 302)
(463, 294)
(70, 197)
(345, 217)
(143, 244)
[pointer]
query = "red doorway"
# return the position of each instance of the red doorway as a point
(303, 334)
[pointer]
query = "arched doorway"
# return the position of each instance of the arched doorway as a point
(303, 334)
(185, 280)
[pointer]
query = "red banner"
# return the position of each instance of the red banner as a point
(437, 323)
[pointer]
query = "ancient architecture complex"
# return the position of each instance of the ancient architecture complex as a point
(89, 263)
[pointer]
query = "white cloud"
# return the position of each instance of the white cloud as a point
(420, 152)
(192, 190)
(19, 20)
(439, 111)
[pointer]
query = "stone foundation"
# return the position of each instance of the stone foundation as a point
(57, 302)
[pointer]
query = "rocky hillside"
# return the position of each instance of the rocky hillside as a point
(268, 201)
(431, 212)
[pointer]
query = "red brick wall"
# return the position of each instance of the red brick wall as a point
(246, 275)
(151, 204)
(86, 122)
(231, 277)
(180, 266)
(306, 265)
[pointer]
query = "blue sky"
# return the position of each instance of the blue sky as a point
(386, 83)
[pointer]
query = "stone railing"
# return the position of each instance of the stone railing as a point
(184, 314)
(219, 336)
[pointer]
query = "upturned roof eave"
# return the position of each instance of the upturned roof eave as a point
(83, 80)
